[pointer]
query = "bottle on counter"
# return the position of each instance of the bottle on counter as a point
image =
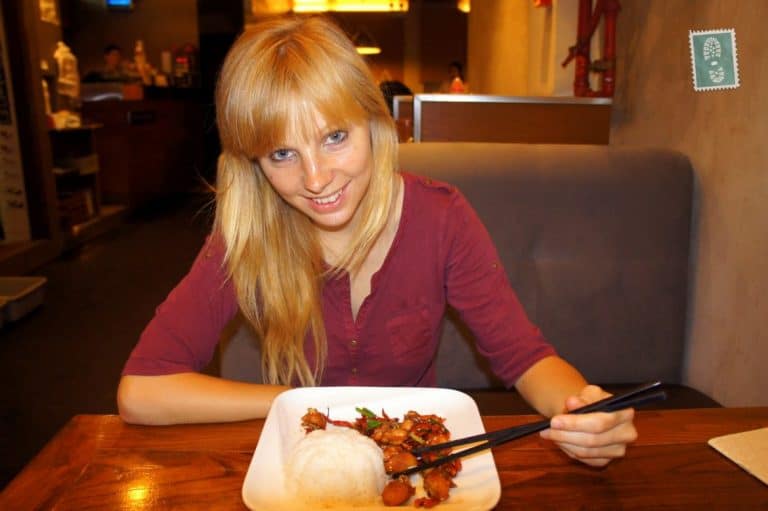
(45, 72)
(186, 69)
(67, 110)
(46, 98)
(140, 60)
(67, 75)
(162, 76)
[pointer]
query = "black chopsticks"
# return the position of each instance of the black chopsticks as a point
(635, 397)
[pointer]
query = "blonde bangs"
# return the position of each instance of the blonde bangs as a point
(260, 112)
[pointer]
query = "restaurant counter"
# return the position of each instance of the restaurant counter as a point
(149, 149)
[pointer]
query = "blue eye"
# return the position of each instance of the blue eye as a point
(336, 137)
(280, 154)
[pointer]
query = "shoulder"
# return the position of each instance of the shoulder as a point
(427, 186)
(431, 193)
(213, 249)
(435, 208)
(209, 267)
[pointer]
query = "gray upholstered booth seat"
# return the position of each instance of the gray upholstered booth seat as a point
(595, 240)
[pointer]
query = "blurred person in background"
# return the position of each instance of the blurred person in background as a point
(115, 68)
(455, 84)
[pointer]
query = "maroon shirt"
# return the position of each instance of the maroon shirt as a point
(441, 254)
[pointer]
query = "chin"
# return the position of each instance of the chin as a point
(335, 222)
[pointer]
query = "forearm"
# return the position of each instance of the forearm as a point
(192, 398)
(548, 383)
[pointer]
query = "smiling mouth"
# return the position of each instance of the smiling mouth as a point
(329, 199)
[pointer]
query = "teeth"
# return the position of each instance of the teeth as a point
(329, 199)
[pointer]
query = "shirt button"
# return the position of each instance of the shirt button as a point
(354, 370)
(353, 342)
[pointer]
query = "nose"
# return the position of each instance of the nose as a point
(317, 174)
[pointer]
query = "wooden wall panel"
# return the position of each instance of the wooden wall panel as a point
(477, 118)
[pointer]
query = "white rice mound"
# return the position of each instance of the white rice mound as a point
(333, 467)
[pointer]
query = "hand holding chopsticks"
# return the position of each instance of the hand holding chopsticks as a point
(635, 397)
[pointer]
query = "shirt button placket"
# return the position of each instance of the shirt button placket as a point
(353, 347)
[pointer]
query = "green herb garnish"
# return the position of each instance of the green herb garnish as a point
(417, 438)
(365, 412)
(372, 421)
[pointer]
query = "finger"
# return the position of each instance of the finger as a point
(588, 435)
(597, 462)
(574, 403)
(593, 462)
(587, 395)
(591, 441)
(592, 393)
(596, 422)
(582, 452)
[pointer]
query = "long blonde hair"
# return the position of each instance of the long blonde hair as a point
(273, 80)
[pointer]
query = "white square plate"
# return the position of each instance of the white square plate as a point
(477, 484)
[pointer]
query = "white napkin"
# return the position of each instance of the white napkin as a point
(749, 450)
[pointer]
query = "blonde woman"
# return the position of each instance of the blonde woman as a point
(341, 264)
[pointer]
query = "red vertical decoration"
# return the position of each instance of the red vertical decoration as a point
(611, 9)
(582, 53)
(588, 20)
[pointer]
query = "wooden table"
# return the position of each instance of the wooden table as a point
(99, 462)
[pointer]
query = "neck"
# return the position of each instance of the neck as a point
(334, 244)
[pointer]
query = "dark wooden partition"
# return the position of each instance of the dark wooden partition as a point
(402, 111)
(150, 149)
(520, 119)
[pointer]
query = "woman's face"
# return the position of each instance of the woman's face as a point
(326, 177)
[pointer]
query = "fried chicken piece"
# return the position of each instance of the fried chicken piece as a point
(397, 491)
(399, 462)
(437, 484)
(313, 420)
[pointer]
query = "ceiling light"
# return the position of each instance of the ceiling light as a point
(350, 5)
(366, 44)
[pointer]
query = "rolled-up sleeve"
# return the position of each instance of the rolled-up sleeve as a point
(184, 332)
